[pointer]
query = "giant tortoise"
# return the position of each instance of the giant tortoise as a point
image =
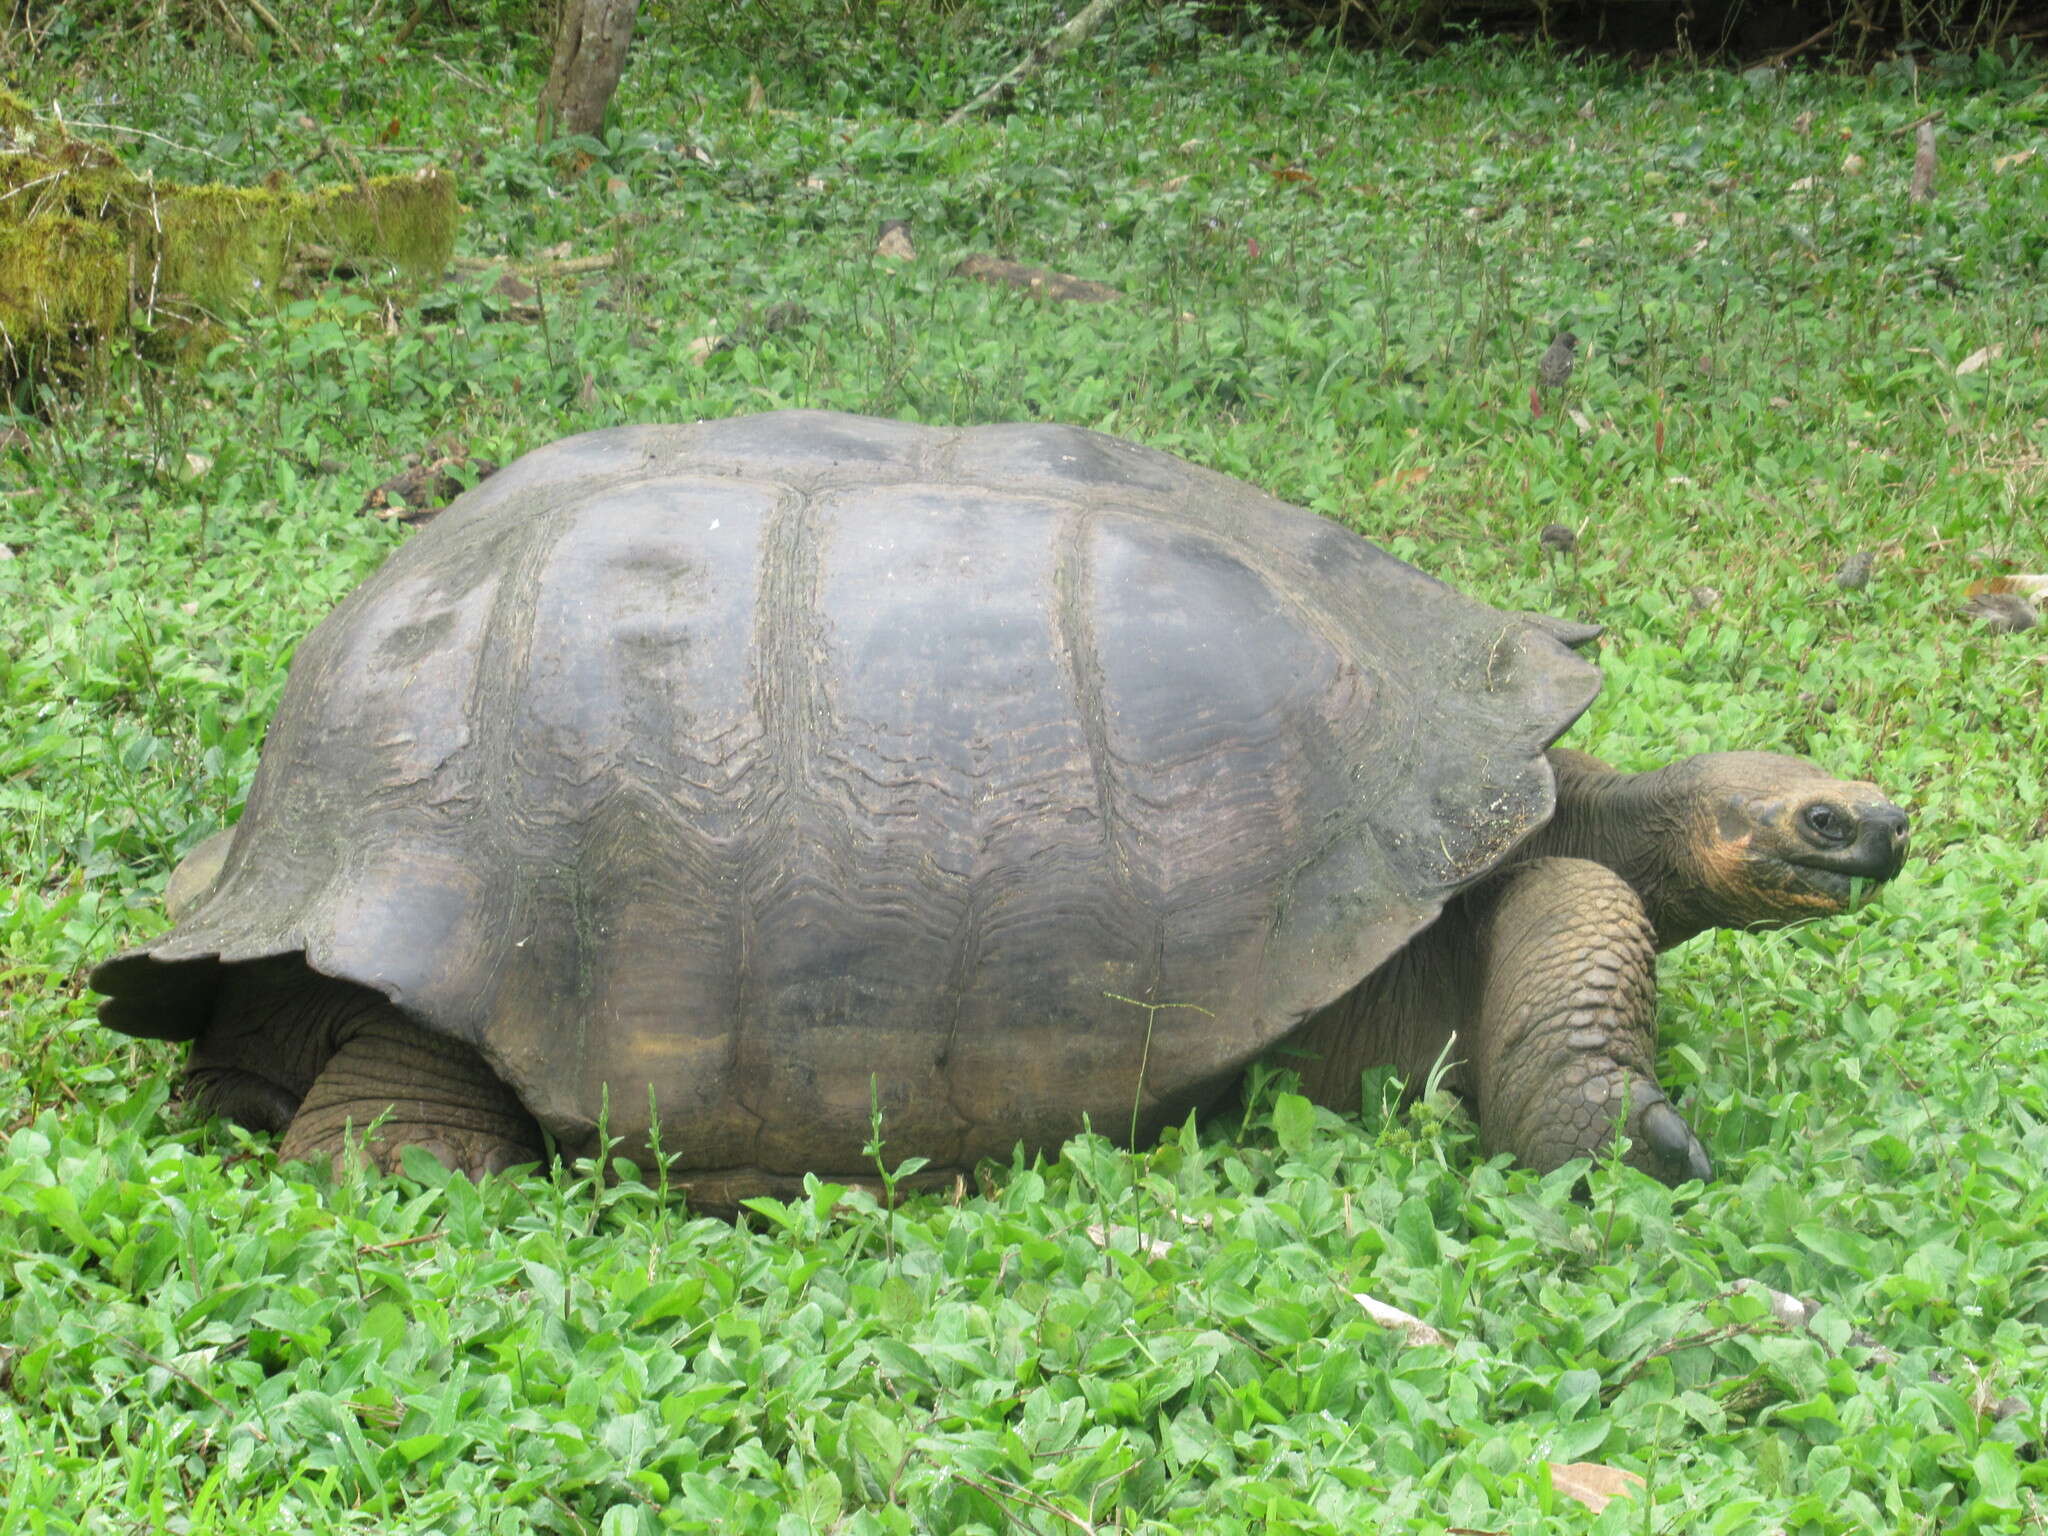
(719, 775)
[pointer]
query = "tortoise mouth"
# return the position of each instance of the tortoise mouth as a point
(1827, 882)
(1835, 875)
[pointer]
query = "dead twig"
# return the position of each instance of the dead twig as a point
(405, 31)
(1075, 31)
(164, 1365)
(1023, 1496)
(568, 266)
(1798, 48)
(237, 34)
(190, 149)
(276, 27)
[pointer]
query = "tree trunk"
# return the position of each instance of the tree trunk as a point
(590, 55)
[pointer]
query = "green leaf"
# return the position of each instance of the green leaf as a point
(1415, 1232)
(1997, 1474)
(1838, 1246)
(386, 1323)
(900, 1358)
(875, 1436)
(1294, 1121)
(417, 1448)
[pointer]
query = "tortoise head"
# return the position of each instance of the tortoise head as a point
(1769, 840)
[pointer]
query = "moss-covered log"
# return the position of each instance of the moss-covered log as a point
(88, 248)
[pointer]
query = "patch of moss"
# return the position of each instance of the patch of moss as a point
(222, 248)
(406, 220)
(63, 293)
(16, 115)
(71, 215)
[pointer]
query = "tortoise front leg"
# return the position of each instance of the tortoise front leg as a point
(1563, 1047)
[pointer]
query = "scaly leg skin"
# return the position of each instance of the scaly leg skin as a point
(1565, 1032)
(274, 1022)
(392, 1085)
(289, 1050)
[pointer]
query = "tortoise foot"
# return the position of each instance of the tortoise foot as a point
(1608, 1098)
(1679, 1153)
(395, 1085)
(384, 1148)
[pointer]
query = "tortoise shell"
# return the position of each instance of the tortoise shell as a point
(732, 768)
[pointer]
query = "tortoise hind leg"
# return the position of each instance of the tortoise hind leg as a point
(1565, 1043)
(289, 1050)
(392, 1084)
(274, 1022)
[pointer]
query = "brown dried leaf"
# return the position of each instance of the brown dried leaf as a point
(1412, 1328)
(702, 347)
(757, 96)
(1852, 165)
(2026, 584)
(2012, 162)
(1128, 1240)
(1788, 1310)
(1979, 358)
(893, 241)
(1292, 173)
(1403, 479)
(1591, 1483)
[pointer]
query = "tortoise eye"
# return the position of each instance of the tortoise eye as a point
(1826, 824)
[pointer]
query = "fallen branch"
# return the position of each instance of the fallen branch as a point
(569, 266)
(1075, 31)
(1041, 282)
(1922, 189)
(311, 255)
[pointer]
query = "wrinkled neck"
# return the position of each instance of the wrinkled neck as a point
(1632, 823)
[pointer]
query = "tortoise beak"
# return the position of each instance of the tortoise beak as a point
(1880, 847)
(1875, 847)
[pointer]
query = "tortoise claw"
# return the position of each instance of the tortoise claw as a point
(1674, 1143)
